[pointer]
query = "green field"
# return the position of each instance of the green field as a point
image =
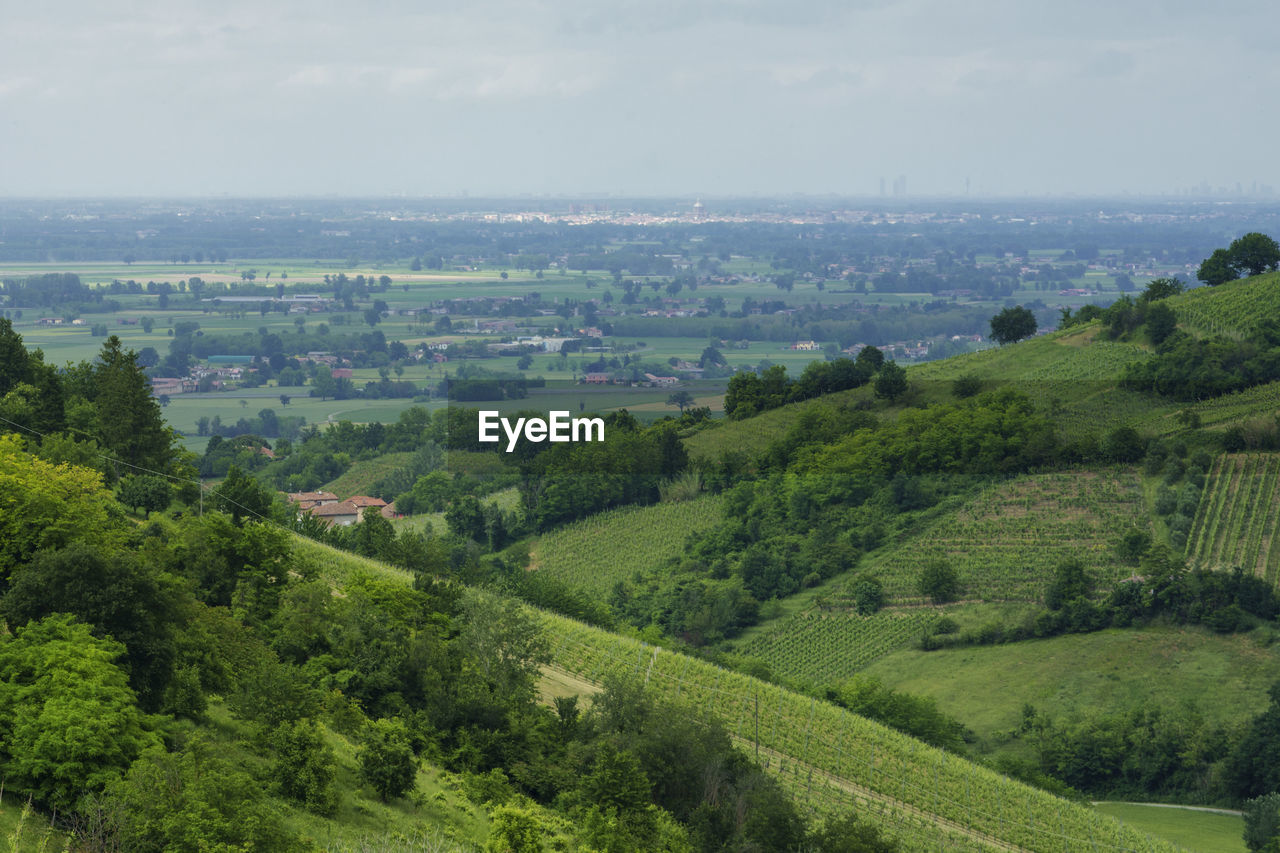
(1196, 831)
(1236, 521)
(985, 687)
(596, 553)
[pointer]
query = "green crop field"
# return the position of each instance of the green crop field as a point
(594, 554)
(985, 687)
(1235, 523)
(1194, 830)
(1006, 543)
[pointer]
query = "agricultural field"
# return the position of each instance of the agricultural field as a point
(596, 553)
(1229, 309)
(985, 687)
(833, 759)
(1235, 524)
(829, 758)
(825, 647)
(1201, 831)
(1005, 543)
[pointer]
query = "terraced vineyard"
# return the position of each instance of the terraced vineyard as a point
(823, 647)
(833, 759)
(1006, 543)
(1235, 524)
(592, 555)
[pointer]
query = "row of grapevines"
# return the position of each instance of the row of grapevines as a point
(595, 553)
(826, 647)
(847, 747)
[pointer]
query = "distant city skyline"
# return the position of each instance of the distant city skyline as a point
(900, 98)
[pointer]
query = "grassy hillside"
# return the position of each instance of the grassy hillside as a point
(986, 686)
(831, 759)
(594, 554)
(1200, 831)
(360, 477)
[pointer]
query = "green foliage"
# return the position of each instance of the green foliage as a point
(819, 647)
(1012, 325)
(916, 716)
(69, 724)
(386, 759)
(118, 595)
(1254, 253)
(192, 800)
(1070, 582)
(850, 834)
(891, 381)
(145, 492)
(50, 506)
(1261, 821)
(939, 582)
(515, 829)
(243, 497)
(305, 770)
(966, 387)
(1218, 268)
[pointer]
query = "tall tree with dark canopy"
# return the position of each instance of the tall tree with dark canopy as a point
(1254, 253)
(131, 425)
(1013, 324)
(1217, 269)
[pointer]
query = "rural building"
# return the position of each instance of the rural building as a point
(342, 514)
(596, 379)
(661, 381)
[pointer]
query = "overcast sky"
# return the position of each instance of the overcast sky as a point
(639, 97)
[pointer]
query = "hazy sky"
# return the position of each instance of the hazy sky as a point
(641, 97)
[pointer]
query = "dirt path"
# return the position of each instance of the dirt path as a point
(1209, 809)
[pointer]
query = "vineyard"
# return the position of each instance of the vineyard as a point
(833, 760)
(824, 647)
(830, 759)
(1229, 309)
(592, 555)
(1005, 543)
(1236, 521)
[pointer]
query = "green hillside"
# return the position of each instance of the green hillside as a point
(1229, 309)
(831, 758)
(986, 687)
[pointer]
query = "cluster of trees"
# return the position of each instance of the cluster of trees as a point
(837, 485)
(123, 637)
(89, 410)
(1189, 368)
(1251, 254)
(751, 393)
